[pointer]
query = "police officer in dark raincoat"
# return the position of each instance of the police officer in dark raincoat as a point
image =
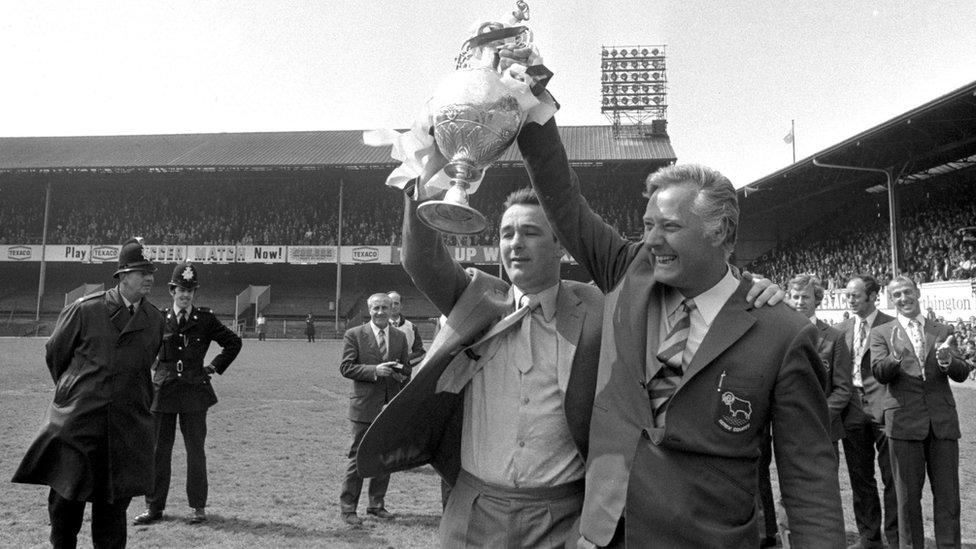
(184, 392)
(96, 443)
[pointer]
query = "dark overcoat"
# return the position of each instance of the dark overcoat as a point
(97, 440)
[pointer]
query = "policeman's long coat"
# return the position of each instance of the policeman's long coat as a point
(96, 443)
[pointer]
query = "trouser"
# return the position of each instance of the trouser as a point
(352, 485)
(767, 504)
(261, 336)
(108, 527)
(479, 514)
(193, 426)
(910, 460)
(864, 441)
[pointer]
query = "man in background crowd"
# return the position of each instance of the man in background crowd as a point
(310, 328)
(97, 444)
(261, 325)
(409, 329)
(913, 357)
(183, 390)
(806, 294)
(376, 358)
(864, 439)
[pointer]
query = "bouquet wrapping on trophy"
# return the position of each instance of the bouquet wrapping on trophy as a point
(472, 118)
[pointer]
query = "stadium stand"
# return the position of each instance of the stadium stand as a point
(934, 247)
(234, 208)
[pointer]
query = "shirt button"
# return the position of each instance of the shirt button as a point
(521, 444)
(525, 400)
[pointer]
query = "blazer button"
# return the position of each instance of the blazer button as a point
(645, 434)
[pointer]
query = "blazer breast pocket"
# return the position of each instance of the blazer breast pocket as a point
(736, 403)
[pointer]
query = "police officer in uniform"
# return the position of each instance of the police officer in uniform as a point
(182, 389)
(95, 443)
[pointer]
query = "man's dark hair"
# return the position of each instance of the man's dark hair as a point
(525, 195)
(871, 285)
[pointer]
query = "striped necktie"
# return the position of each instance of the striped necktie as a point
(664, 384)
(381, 338)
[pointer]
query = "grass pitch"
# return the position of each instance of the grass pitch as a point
(276, 450)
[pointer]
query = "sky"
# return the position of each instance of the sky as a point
(738, 71)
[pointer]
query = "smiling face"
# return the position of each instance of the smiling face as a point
(379, 309)
(530, 252)
(905, 296)
(182, 297)
(685, 257)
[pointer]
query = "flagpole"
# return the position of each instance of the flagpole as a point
(793, 141)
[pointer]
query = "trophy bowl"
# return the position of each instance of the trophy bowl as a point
(475, 119)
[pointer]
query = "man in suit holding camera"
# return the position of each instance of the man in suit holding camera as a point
(375, 356)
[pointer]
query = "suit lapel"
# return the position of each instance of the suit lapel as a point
(931, 334)
(138, 321)
(637, 339)
(849, 334)
(732, 322)
(118, 315)
(569, 325)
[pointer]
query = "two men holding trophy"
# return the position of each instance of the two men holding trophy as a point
(511, 384)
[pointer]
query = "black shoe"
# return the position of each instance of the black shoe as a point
(381, 513)
(197, 516)
(148, 517)
(352, 519)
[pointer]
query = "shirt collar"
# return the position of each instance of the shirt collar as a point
(868, 319)
(377, 329)
(547, 299)
(904, 320)
(176, 311)
(128, 303)
(709, 302)
(813, 319)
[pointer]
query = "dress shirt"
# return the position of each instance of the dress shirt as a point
(376, 334)
(904, 320)
(707, 306)
(133, 304)
(177, 311)
(514, 430)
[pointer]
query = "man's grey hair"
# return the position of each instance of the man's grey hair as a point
(716, 202)
(902, 279)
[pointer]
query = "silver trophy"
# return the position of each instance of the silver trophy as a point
(475, 119)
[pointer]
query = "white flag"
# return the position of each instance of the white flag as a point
(788, 138)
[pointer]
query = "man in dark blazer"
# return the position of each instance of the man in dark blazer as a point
(675, 429)
(864, 438)
(376, 358)
(97, 443)
(806, 294)
(183, 391)
(505, 396)
(913, 357)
